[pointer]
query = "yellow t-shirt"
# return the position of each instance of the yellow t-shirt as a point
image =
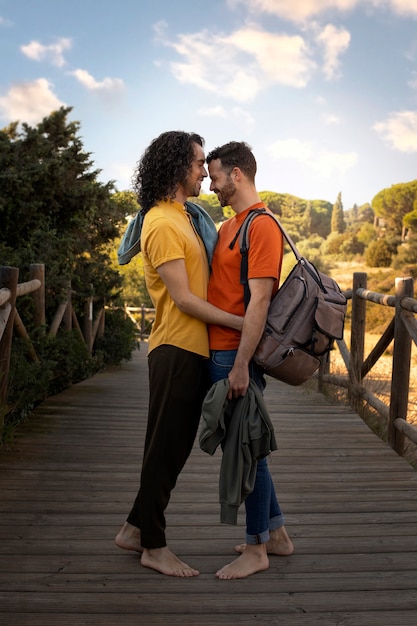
(167, 235)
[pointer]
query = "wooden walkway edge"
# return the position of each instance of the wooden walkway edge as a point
(350, 504)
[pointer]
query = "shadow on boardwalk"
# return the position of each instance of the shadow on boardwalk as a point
(349, 500)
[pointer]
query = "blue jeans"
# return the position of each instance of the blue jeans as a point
(263, 513)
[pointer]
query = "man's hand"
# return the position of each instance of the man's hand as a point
(238, 380)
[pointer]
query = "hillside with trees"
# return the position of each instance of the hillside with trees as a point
(54, 210)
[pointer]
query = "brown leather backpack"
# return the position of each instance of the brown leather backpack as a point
(305, 316)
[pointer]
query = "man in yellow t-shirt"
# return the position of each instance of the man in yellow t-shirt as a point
(177, 273)
(232, 170)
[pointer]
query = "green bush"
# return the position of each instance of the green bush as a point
(119, 338)
(378, 254)
(70, 359)
(63, 360)
(406, 259)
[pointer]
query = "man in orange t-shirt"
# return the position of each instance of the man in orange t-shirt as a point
(232, 169)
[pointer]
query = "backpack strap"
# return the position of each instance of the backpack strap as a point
(243, 236)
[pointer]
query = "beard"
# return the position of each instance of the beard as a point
(225, 193)
(193, 188)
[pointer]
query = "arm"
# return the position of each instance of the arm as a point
(174, 275)
(253, 327)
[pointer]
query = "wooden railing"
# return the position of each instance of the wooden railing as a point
(11, 322)
(402, 330)
(143, 318)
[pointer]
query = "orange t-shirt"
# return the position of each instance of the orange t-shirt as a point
(264, 261)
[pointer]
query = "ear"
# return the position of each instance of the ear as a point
(236, 174)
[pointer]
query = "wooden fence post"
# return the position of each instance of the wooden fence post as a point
(142, 321)
(400, 377)
(323, 370)
(88, 324)
(68, 310)
(102, 321)
(37, 270)
(357, 340)
(9, 277)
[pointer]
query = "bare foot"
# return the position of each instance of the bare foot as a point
(253, 559)
(164, 561)
(128, 538)
(279, 543)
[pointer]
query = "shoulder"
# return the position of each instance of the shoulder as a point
(265, 225)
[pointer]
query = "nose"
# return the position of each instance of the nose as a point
(211, 186)
(205, 172)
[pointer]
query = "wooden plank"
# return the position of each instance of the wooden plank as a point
(349, 500)
(241, 601)
(359, 618)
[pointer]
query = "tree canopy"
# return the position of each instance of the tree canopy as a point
(394, 203)
(53, 209)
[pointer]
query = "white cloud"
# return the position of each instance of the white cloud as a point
(399, 131)
(53, 53)
(284, 59)
(244, 119)
(29, 102)
(88, 81)
(240, 116)
(296, 10)
(412, 83)
(324, 162)
(335, 41)
(302, 10)
(217, 111)
(211, 63)
(402, 7)
(240, 65)
(331, 120)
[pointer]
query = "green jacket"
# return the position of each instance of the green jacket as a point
(244, 429)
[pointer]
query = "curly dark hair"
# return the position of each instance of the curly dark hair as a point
(235, 154)
(163, 166)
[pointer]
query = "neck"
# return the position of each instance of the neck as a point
(180, 197)
(181, 194)
(245, 200)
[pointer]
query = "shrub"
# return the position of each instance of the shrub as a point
(406, 259)
(378, 254)
(118, 340)
(63, 360)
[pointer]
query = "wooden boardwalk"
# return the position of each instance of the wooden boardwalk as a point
(349, 500)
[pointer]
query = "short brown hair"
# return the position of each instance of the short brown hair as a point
(235, 154)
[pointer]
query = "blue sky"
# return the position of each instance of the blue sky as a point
(325, 91)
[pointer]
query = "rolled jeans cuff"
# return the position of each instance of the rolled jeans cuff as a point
(263, 537)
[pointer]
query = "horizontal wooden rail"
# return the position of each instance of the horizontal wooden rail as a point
(402, 330)
(142, 317)
(11, 322)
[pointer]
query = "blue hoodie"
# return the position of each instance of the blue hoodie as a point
(204, 225)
